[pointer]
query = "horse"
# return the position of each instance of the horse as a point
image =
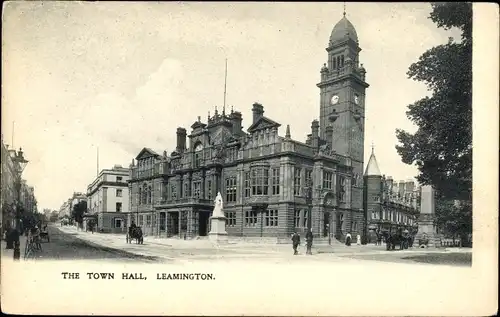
(135, 233)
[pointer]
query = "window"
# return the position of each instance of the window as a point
(141, 221)
(209, 190)
(119, 193)
(231, 189)
(250, 218)
(308, 176)
(196, 189)
(231, 218)
(297, 218)
(118, 207)
(341, 222)
(198, 155)
(341, 189)
(260, 181)
(118, 222)
(149, 195)
(173, 191)
(247, 184)
(327, 180)
(276, 181)
(296, 181)
(148, 220)
(306, 218)
(185, 192)
(374, 215)
(271, 218)
(355, 226)
(119, 178)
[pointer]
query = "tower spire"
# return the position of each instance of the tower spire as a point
(344, 8)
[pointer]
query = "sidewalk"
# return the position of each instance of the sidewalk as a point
(179, 249)
(9, 254)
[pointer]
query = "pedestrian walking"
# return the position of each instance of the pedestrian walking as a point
(358, 239)
(295, 242)
(309, 241)
(348, 239)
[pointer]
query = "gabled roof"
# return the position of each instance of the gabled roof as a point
(263, 123)
(146, 152)
(372, 167)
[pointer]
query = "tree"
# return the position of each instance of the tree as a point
(78, 211)
(441, 147)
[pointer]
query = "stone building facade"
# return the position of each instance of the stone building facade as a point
(12, 196)
(389, 205)
(261, 175)
(108, 199)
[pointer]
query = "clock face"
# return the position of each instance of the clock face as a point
(356, 99)
(335, 99)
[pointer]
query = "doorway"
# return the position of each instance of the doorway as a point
(326, 224)
(204, 223)
(173, 223)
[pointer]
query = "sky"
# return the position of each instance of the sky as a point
(123, 76)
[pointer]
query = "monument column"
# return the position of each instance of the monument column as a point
(426, 225)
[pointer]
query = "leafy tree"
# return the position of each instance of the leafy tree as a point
(78, 211)
(441, 148)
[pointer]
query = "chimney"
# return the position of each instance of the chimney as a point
(315, 133)
(401, 189)
(388, 182)
(181, 140)
(236, 118)
(329, 134)
(258, 111)
(308, 140)
(409, 186)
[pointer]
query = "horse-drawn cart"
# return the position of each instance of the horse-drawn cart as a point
(44, 235)
(135, 233)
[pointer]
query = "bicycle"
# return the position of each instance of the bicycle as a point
(30, 250)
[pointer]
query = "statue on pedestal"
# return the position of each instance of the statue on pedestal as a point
(218, 221)
(218, 207)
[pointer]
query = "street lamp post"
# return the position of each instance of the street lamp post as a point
(21, 163)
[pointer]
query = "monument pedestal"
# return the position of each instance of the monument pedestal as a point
(426, 226)
(218, 232)
(427, 231)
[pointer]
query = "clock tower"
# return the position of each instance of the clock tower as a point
(342, 100)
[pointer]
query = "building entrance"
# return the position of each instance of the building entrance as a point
(204, 223)
(173, 223)
(326, 224)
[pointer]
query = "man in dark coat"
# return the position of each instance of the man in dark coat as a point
(309, 241)
(295, 242)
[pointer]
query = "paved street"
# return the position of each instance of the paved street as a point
(175, 250)
(65, 246)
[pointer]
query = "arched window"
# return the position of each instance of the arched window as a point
(149, 195)
(338, 62)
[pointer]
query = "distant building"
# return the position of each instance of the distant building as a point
(389, 205)
(11, 198)
(9, 193)
(108, 199)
